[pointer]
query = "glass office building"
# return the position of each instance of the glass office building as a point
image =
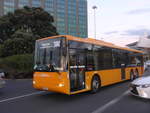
(70, 15)
(9, 6)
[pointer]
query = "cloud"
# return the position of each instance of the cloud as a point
(139, 11)
(136, 32)
(111, 32)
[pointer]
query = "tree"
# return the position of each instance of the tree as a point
(19, 30)
(6, 27)
(20, 43)
(34, 19)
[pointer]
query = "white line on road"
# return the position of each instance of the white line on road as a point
(104, 107)
(22, 96)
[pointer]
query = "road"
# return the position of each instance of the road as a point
(18, 96)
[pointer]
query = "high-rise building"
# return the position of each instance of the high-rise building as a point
(70, 15)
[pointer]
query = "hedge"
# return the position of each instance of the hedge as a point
(17, 66)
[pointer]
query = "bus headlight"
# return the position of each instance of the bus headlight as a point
(33, 82)
(61, 85)
(144, 94)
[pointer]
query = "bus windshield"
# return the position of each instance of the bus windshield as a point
(48, 55)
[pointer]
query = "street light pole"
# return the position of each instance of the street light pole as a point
(94, 8)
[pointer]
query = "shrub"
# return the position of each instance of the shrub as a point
(21, 43)
(18, 66)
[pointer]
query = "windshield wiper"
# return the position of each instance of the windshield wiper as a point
(47, 68)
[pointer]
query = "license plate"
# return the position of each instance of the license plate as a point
(45, 88)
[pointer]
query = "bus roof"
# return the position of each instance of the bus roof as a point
(93, 41)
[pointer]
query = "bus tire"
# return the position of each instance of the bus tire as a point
(95, 84)
(132, 77)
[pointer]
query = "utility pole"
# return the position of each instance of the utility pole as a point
(94, 8)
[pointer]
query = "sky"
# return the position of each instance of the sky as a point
(119, 21)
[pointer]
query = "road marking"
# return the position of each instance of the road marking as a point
(104, 107)
(22, 96)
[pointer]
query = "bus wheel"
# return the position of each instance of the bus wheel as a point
(132, 76)
(95, 84)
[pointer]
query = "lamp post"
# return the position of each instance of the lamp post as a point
(94, 8)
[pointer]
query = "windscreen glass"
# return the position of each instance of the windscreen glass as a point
(49, 55)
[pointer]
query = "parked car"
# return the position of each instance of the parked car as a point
(141, 87)
(2, 74)
(2, 81)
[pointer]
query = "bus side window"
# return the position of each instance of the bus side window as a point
(133, 61)
(117, 58)
(89, 62)
(136, 60)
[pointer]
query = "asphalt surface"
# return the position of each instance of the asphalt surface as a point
(18, 96)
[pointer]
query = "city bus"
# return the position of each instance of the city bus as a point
(71, 65)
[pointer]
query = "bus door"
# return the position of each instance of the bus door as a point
(123, 75)
(77, 69)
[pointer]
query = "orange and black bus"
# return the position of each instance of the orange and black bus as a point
(71, 65)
